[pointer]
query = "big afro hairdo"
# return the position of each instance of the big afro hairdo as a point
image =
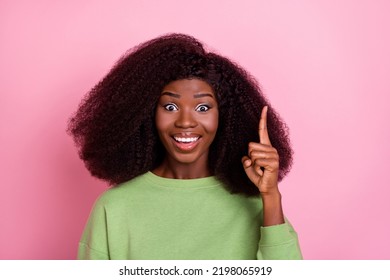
(114, 126)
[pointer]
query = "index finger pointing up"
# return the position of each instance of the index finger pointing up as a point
(263, 130)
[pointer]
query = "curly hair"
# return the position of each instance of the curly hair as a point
(114, 126)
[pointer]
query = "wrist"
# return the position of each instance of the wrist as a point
(273, 195)
(272, 201)
(272, 209)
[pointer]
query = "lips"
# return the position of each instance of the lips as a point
(186, 143)
(186, 139)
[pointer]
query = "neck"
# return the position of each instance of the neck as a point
(178, 170)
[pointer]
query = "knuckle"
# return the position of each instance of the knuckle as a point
(251, 145)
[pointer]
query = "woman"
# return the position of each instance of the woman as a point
(195, 153)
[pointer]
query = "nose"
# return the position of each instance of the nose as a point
(185, 119)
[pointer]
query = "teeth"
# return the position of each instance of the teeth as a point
(186, 140)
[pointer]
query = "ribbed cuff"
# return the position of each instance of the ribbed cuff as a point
(274, 235)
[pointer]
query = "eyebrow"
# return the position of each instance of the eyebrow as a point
(170, 94)
(198, 95)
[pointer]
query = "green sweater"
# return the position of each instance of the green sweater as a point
(151, 217)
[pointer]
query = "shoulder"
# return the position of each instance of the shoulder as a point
(122, 192)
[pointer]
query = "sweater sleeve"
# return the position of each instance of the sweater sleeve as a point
(94, 242)
(279, 242)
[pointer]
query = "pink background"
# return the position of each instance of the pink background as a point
(324, 65)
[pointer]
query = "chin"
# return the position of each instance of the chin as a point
(184, 159)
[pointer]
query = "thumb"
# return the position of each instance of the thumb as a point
(249, 170)
(246, 162)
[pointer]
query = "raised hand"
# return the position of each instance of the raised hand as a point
(262, 162)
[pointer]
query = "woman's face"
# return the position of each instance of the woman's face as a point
(187, 120)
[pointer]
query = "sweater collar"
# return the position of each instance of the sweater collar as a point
(205, 182)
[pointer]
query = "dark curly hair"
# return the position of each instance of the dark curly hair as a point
(114, 126)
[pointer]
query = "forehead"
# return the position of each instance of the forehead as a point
(188, 86)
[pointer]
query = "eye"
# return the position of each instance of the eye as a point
(202, 108)
(170, 107)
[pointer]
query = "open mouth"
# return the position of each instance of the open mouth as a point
(186, 139)
(186, 144)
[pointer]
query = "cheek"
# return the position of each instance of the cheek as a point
(211, 124)
(161, 122)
